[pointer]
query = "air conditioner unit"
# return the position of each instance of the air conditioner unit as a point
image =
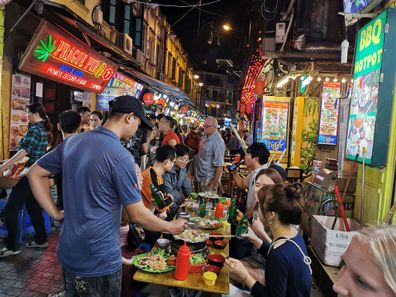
(97, 16)
(126, 43)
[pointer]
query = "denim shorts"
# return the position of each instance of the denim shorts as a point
(101, 286)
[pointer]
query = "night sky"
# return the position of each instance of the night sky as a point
(225, 45)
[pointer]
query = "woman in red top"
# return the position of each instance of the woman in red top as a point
(166, 125)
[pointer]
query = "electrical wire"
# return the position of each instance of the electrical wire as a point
(174, 24)
(204, 10)
(264, 10)
(177, 6)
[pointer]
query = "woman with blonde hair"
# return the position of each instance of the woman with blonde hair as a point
(370, 264)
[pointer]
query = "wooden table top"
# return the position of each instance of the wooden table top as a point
(195, 280)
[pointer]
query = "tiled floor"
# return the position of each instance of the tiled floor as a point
(34, 272)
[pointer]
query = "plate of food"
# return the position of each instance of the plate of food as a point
(209, 224)
(154, 261)
(192, 236)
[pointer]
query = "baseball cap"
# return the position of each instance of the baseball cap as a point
(128, 104)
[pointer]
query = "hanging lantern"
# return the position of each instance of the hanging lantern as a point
(260, 86)
(184, 109)
(148, 98)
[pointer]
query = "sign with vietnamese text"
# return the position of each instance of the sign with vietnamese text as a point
(275, 115)
(57, 55)
(329, 113)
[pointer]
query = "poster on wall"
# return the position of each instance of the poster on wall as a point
(20, 98)
(365, 92)
(275, 117)
(329, 113)
(118, 85)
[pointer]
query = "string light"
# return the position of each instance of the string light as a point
(343, 80)
(335, 79)
(327, 79)
(319, 78)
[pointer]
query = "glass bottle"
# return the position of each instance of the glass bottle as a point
(242, 227)
(157, 196)
(202, 208)
(232, 211)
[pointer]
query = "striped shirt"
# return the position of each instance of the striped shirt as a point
(34, 142)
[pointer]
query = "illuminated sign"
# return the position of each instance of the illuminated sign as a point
(118, 85)
(329, 113)
(369, 46)
(57, 55)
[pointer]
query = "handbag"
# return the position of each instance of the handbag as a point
(135, 236)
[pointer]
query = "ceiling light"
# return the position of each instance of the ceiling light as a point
(343, 80)
(196, 76)
(319, 78)
(335, 79)
(200, 84)
(327, 79)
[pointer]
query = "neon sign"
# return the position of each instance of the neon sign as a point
(56, 55)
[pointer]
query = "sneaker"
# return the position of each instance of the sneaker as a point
(59, 294)
(4, 252)
(34, 244)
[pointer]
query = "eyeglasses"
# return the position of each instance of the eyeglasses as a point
(208, 126)
(184, 160)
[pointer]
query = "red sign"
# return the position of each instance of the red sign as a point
(57, 55)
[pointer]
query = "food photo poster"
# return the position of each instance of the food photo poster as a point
(20, 98)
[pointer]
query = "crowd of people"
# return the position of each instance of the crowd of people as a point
(102, 167)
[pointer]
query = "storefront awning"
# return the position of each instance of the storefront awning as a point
(162, 87)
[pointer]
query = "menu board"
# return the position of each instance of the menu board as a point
(365, 93)
(275, 115)
(329, 113)
(118, 85)
(20, 98)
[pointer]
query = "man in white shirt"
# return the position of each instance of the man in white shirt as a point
(255, 160)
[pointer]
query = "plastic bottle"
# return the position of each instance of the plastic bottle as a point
(182, 263)
(219, 210)
(232, 212)
(157, 196)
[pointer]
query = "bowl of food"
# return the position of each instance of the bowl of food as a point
(209, 242)
(216, 260)
(184, 215)
(163, 243)
(211, 268)
(220, 244)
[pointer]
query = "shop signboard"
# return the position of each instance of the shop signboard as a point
(275, 119)
(118, 85)
(369, 97)
(57, 55)
(329, 113)
(20, 98)
(102, 102)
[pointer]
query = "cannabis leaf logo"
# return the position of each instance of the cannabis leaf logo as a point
(44, 49)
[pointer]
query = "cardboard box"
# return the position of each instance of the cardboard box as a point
(329, 244)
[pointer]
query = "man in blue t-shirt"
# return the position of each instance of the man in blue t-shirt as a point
(98, 178)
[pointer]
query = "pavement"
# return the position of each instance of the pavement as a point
(33, 272)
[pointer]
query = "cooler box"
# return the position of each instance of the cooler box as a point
(329, 244)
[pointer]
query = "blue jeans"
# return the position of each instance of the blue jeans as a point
(101, 286)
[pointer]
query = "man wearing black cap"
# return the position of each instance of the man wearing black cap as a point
(98, 178)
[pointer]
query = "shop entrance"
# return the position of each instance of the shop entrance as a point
(55, 97)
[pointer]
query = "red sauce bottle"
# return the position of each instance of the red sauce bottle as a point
(182, 262)
(219, 210)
